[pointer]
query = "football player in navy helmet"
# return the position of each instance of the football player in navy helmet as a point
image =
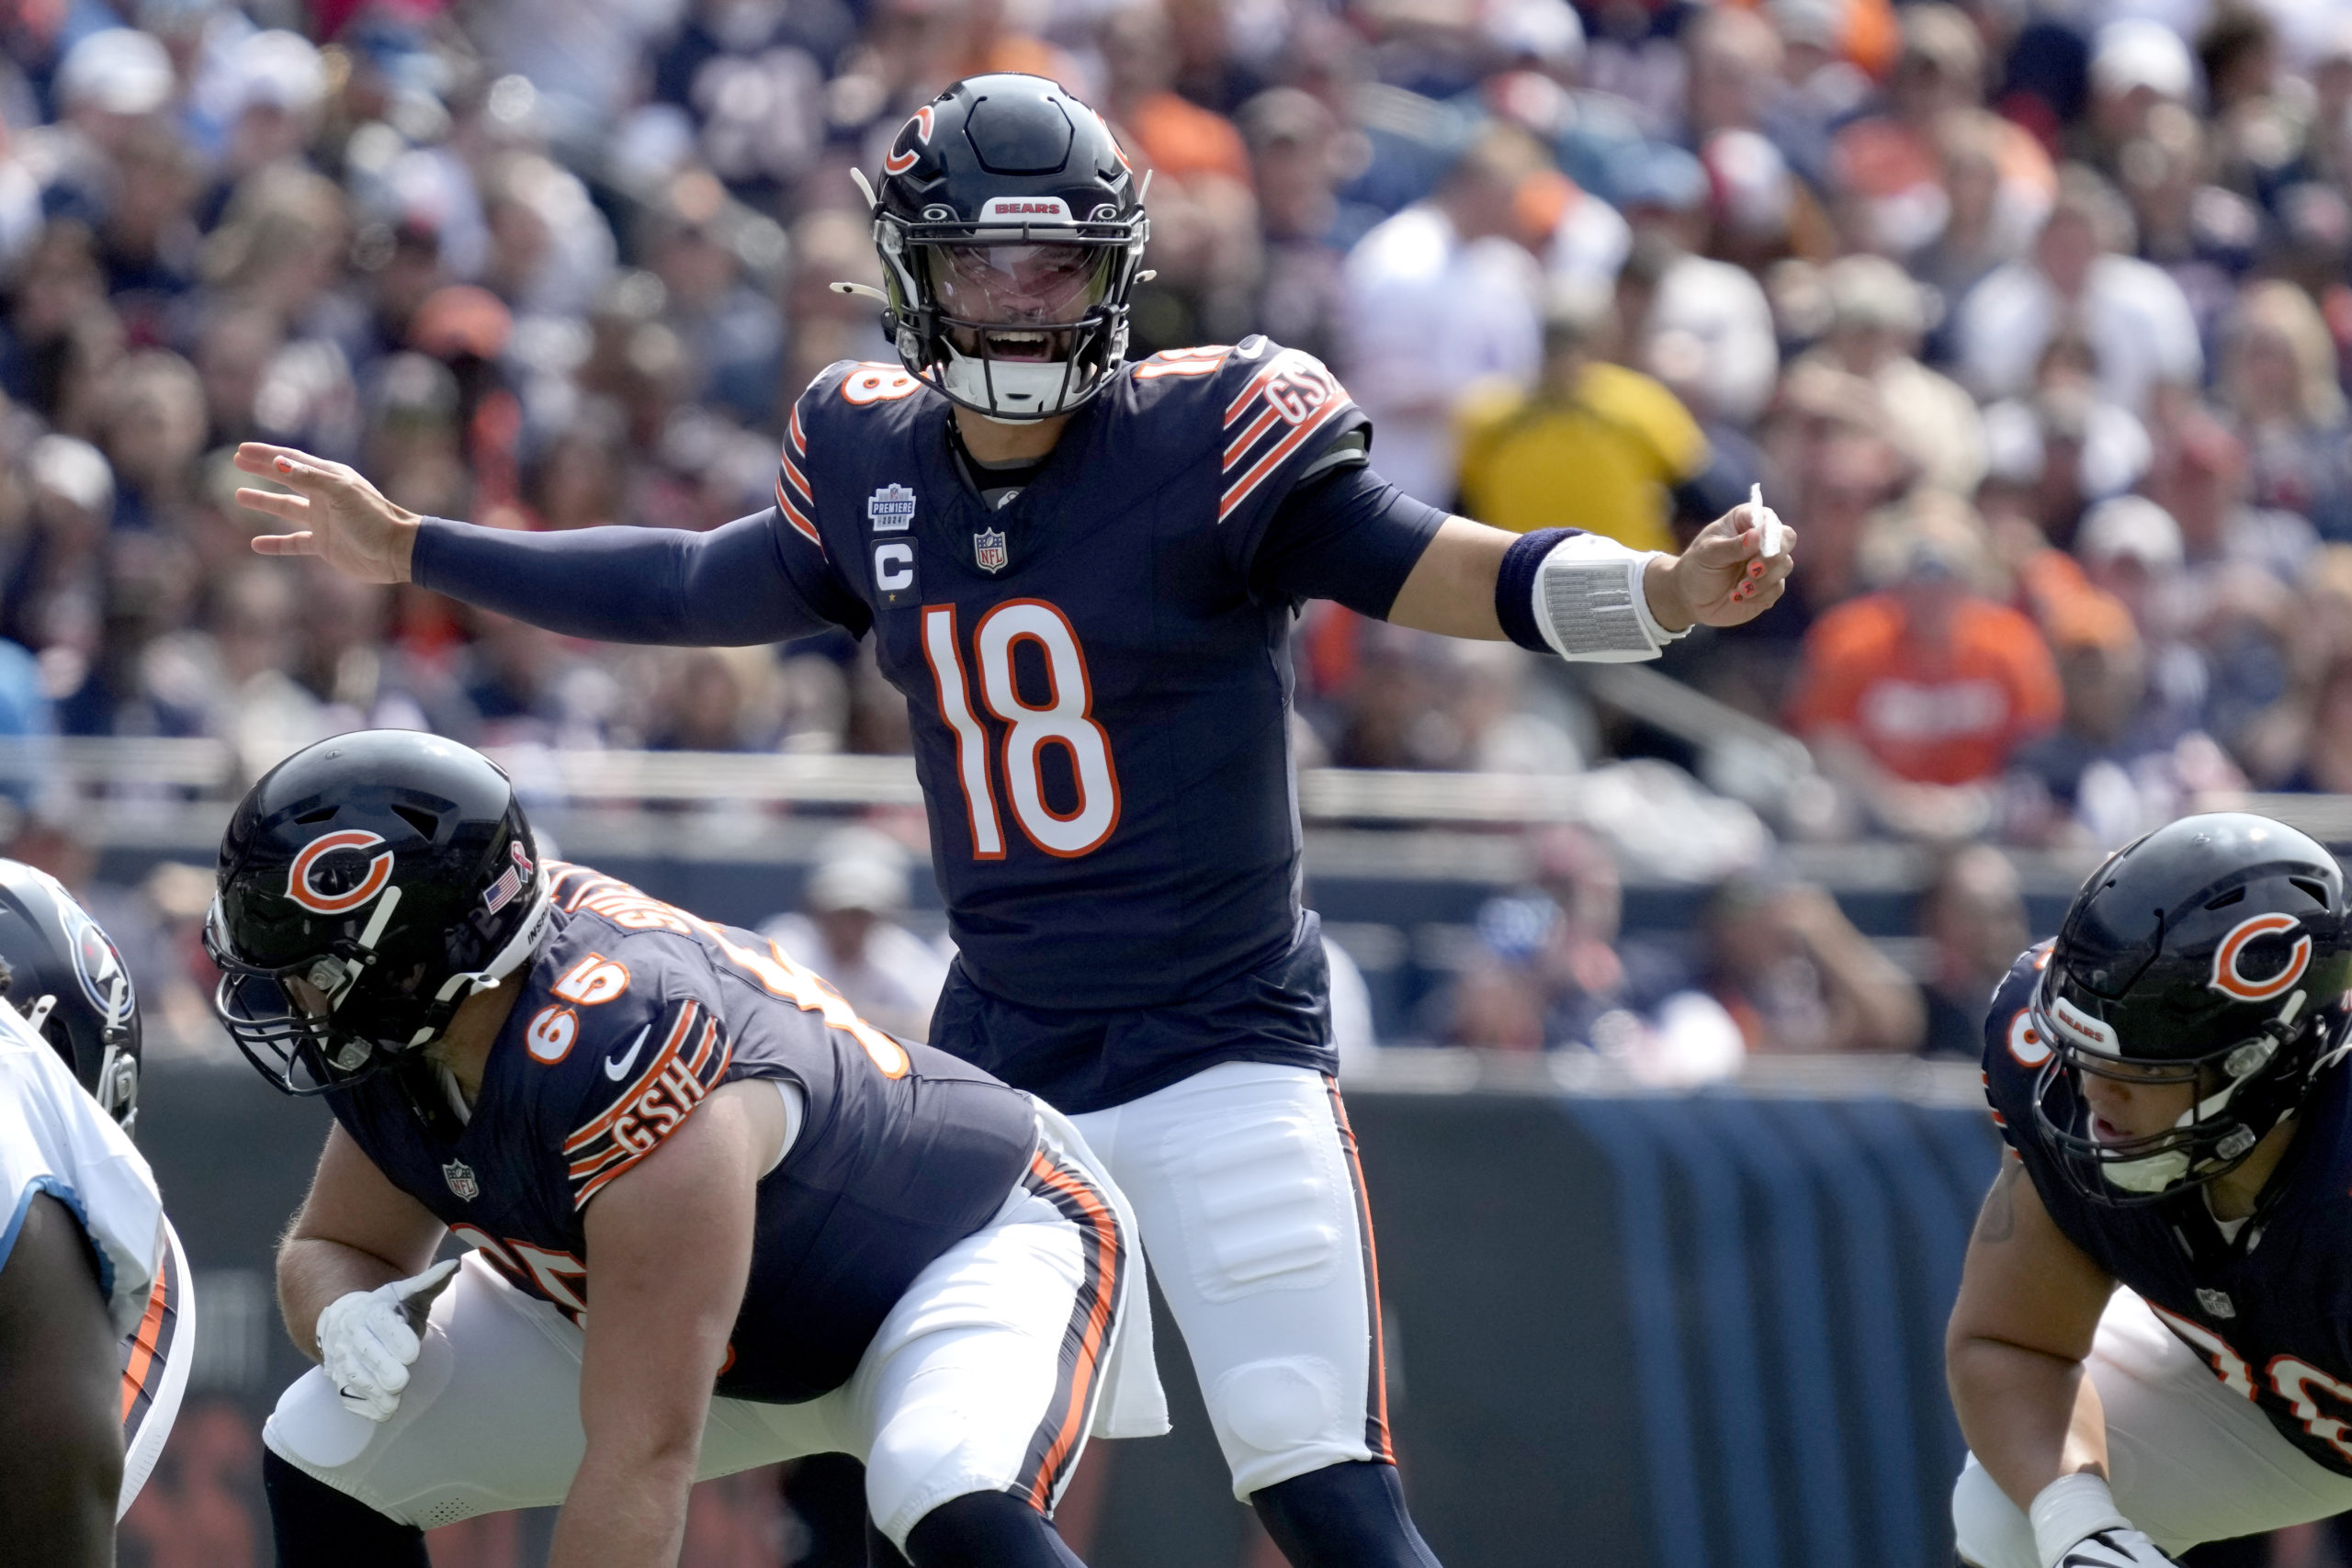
(96, 1328)
(1083, 573)
(798, 1234)
(2153, 1343)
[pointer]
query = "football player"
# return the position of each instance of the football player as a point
(96, 1326)
(715, 1219)
(2168, 1076)
(1082, 573)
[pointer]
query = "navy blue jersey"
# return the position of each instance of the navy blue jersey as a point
(1101, 700)
(2271, 1314)
(1096, 659)
(633, 1012)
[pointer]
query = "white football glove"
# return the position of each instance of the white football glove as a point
(2077, 1525)
(368, 1339)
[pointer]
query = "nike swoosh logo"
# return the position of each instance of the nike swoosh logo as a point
(616, 1070)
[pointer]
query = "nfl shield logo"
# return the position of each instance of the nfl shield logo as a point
(460, 1178)
(988, 550)
(2217, 1303)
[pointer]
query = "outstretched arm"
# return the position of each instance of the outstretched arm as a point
(1353, 537)
(1721, 581)
(730, 587)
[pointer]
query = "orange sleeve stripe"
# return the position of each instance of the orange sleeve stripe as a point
(629, 1164)
(1242, 442)
(799, 441)
(1257, 383)
(799, 482)
(800, 524)
(602, 1124)
(1240, 490)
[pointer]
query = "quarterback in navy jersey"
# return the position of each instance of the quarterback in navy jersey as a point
(1082, 573)
(2168, 1076)
(715, 1219)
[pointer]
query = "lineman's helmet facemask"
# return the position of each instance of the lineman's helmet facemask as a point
(2213, 953)
(369, 885)
(1010, 228)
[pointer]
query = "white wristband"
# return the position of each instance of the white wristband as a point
(1591, 603)
(2068, 1509)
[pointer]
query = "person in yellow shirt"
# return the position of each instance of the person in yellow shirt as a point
(1593, 445)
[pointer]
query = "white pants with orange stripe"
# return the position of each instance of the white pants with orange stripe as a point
(988, 1375)
(2189, 1458)
(1245, 1180)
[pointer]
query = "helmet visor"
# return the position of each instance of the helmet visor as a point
(1019, 285)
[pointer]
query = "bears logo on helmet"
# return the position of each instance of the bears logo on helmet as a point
(2230, 977)
(301, 878)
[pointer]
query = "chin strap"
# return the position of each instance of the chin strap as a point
(518, 951)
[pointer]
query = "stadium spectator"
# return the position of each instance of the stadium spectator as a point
(1973, 918)
(1875, 325)
(2281, 385)
(1702, 326)
(1552, 970)
(1795, 975)
(847, 929)
(2127, 756)
(1437, 297)
(2081, 269)
(1915, 696)
(1592, 446)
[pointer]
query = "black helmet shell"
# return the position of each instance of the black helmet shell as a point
(400, 860)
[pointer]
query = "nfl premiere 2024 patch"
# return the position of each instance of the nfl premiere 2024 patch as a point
(891, 510)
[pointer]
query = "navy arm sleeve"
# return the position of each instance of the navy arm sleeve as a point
(1349, 535)
(734, 586)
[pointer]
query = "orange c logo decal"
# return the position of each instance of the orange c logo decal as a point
(2231, 981)
(899, 163)
(300, 887)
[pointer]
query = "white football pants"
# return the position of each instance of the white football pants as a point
(981, 1379)
(1245, 1183)
(2189, 1460)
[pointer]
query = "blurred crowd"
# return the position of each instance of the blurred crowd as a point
(2030, 314)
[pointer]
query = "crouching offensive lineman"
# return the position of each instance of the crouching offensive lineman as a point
(2168, 1076)
(802, 1235)
(97, 1329)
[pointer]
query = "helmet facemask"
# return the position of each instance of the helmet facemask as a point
(1015, 321)
(330, 1018)
(2242, 1090)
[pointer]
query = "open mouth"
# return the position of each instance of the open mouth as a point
(2107, 1132)
(1019, 348)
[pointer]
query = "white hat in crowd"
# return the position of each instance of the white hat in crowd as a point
(119, 70)
(857, 869)
(2134, 526)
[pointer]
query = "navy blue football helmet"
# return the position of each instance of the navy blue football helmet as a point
(1010, 228)
(369, 885)
(65, 976)
(2215, 951)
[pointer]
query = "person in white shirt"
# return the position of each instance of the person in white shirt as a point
(2080, 275)
(845, 931)
(1442, 295)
